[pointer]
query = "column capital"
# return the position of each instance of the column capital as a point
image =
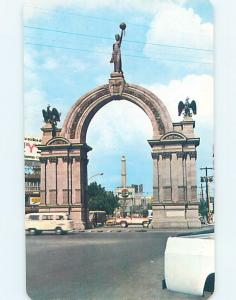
(43, 160)
(77, 158)
(155, 155)
(166, 155)
(53, 159)
(181, 154)
(193, 154)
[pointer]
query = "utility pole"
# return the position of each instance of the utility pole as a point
(207, 179)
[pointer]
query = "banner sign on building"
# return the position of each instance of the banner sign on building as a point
(34, 200)
(31, 151)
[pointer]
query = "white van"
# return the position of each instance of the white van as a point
(60, 223)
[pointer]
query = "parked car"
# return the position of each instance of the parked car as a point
(111, 221)
(60, 223)
(190, 264)
(97, 218)
(131, 220)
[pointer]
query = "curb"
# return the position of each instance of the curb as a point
(109, 231)
(174, 231)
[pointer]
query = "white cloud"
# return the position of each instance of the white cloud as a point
(31, 78)
(123, 123)
(50, 64)
(29, 56)
(118, 123)
(176, 25)
(197, 87)
(34, 102)
(76, 64)
(150, 6)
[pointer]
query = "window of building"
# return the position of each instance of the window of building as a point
(34, 217)
(45, 217)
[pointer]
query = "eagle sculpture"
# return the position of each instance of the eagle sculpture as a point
(51, 116)
(187, 107)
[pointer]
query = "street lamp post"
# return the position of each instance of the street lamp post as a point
(98, 174)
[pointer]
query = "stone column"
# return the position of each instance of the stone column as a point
(155, 177)
(51, 181)
(76, 185)
(192, 211)
(161, 178)
(175, 174)
(43, 186)
(166, 177)
(181, 177)
(56, 180)
(171, 176)
(184, 177)
(84, 188)
(193, 156)
(188, 177)
(61, 181)
(66, 181)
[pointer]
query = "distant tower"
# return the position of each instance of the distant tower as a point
(123, 171)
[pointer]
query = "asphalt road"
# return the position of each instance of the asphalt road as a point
(98, 266)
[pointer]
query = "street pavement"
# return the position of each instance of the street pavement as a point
(98, 266)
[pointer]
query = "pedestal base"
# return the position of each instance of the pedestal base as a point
(175, 215)
(116, 84)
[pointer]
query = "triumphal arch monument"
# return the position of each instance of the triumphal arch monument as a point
(64, 155)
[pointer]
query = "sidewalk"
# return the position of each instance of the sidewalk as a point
(205, 228)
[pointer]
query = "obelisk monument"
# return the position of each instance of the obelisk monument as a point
(123, 171)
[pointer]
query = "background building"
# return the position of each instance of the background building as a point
(32, 172)
(132, 198)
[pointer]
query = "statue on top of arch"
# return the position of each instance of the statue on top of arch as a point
(187, 107)
(51, 117)
(116, 54)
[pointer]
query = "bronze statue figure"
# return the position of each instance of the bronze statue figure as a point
(51, 117)
(116, 54)
(187, 107)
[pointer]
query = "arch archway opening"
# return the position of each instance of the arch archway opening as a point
(120, 128)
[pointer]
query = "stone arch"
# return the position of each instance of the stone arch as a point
(78, 119)
(64, 158)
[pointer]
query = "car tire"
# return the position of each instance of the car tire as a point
(123, 224)
(32, 231)
(58, 231)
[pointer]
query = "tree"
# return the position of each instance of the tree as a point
(203, 208)
(100, 199)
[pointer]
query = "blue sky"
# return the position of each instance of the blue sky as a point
(168, 48)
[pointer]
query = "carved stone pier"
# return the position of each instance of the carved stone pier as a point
(174, 181)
